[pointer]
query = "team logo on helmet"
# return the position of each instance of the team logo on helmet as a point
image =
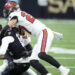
(10, 7)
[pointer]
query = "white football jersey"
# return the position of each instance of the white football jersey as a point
(27, 22)
(24, 40)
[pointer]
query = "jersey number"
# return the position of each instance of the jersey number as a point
(28, 17)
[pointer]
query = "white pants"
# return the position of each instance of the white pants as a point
(5, 43)
(43, 43)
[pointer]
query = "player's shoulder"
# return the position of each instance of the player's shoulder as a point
(14, 14)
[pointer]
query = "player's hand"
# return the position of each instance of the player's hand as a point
(11, 65)
(26, 54)
(58, 35)
(2, 57)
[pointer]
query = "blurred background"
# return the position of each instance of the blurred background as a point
(59, 15)
(46, 8)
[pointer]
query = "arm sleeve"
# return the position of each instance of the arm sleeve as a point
(5, 43)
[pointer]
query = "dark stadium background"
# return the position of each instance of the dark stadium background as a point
(32, 7)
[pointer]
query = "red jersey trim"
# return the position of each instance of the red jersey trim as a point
(44, 40)
(22, 27)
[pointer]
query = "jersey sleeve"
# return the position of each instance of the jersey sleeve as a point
(16, 14)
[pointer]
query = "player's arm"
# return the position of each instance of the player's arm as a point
(10, 24)
(2, 57)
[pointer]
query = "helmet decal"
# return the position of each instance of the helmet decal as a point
(10, 5)
(13, 4)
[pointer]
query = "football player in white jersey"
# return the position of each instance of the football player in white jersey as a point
(44, 35)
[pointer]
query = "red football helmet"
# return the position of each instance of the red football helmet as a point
(10, 7)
